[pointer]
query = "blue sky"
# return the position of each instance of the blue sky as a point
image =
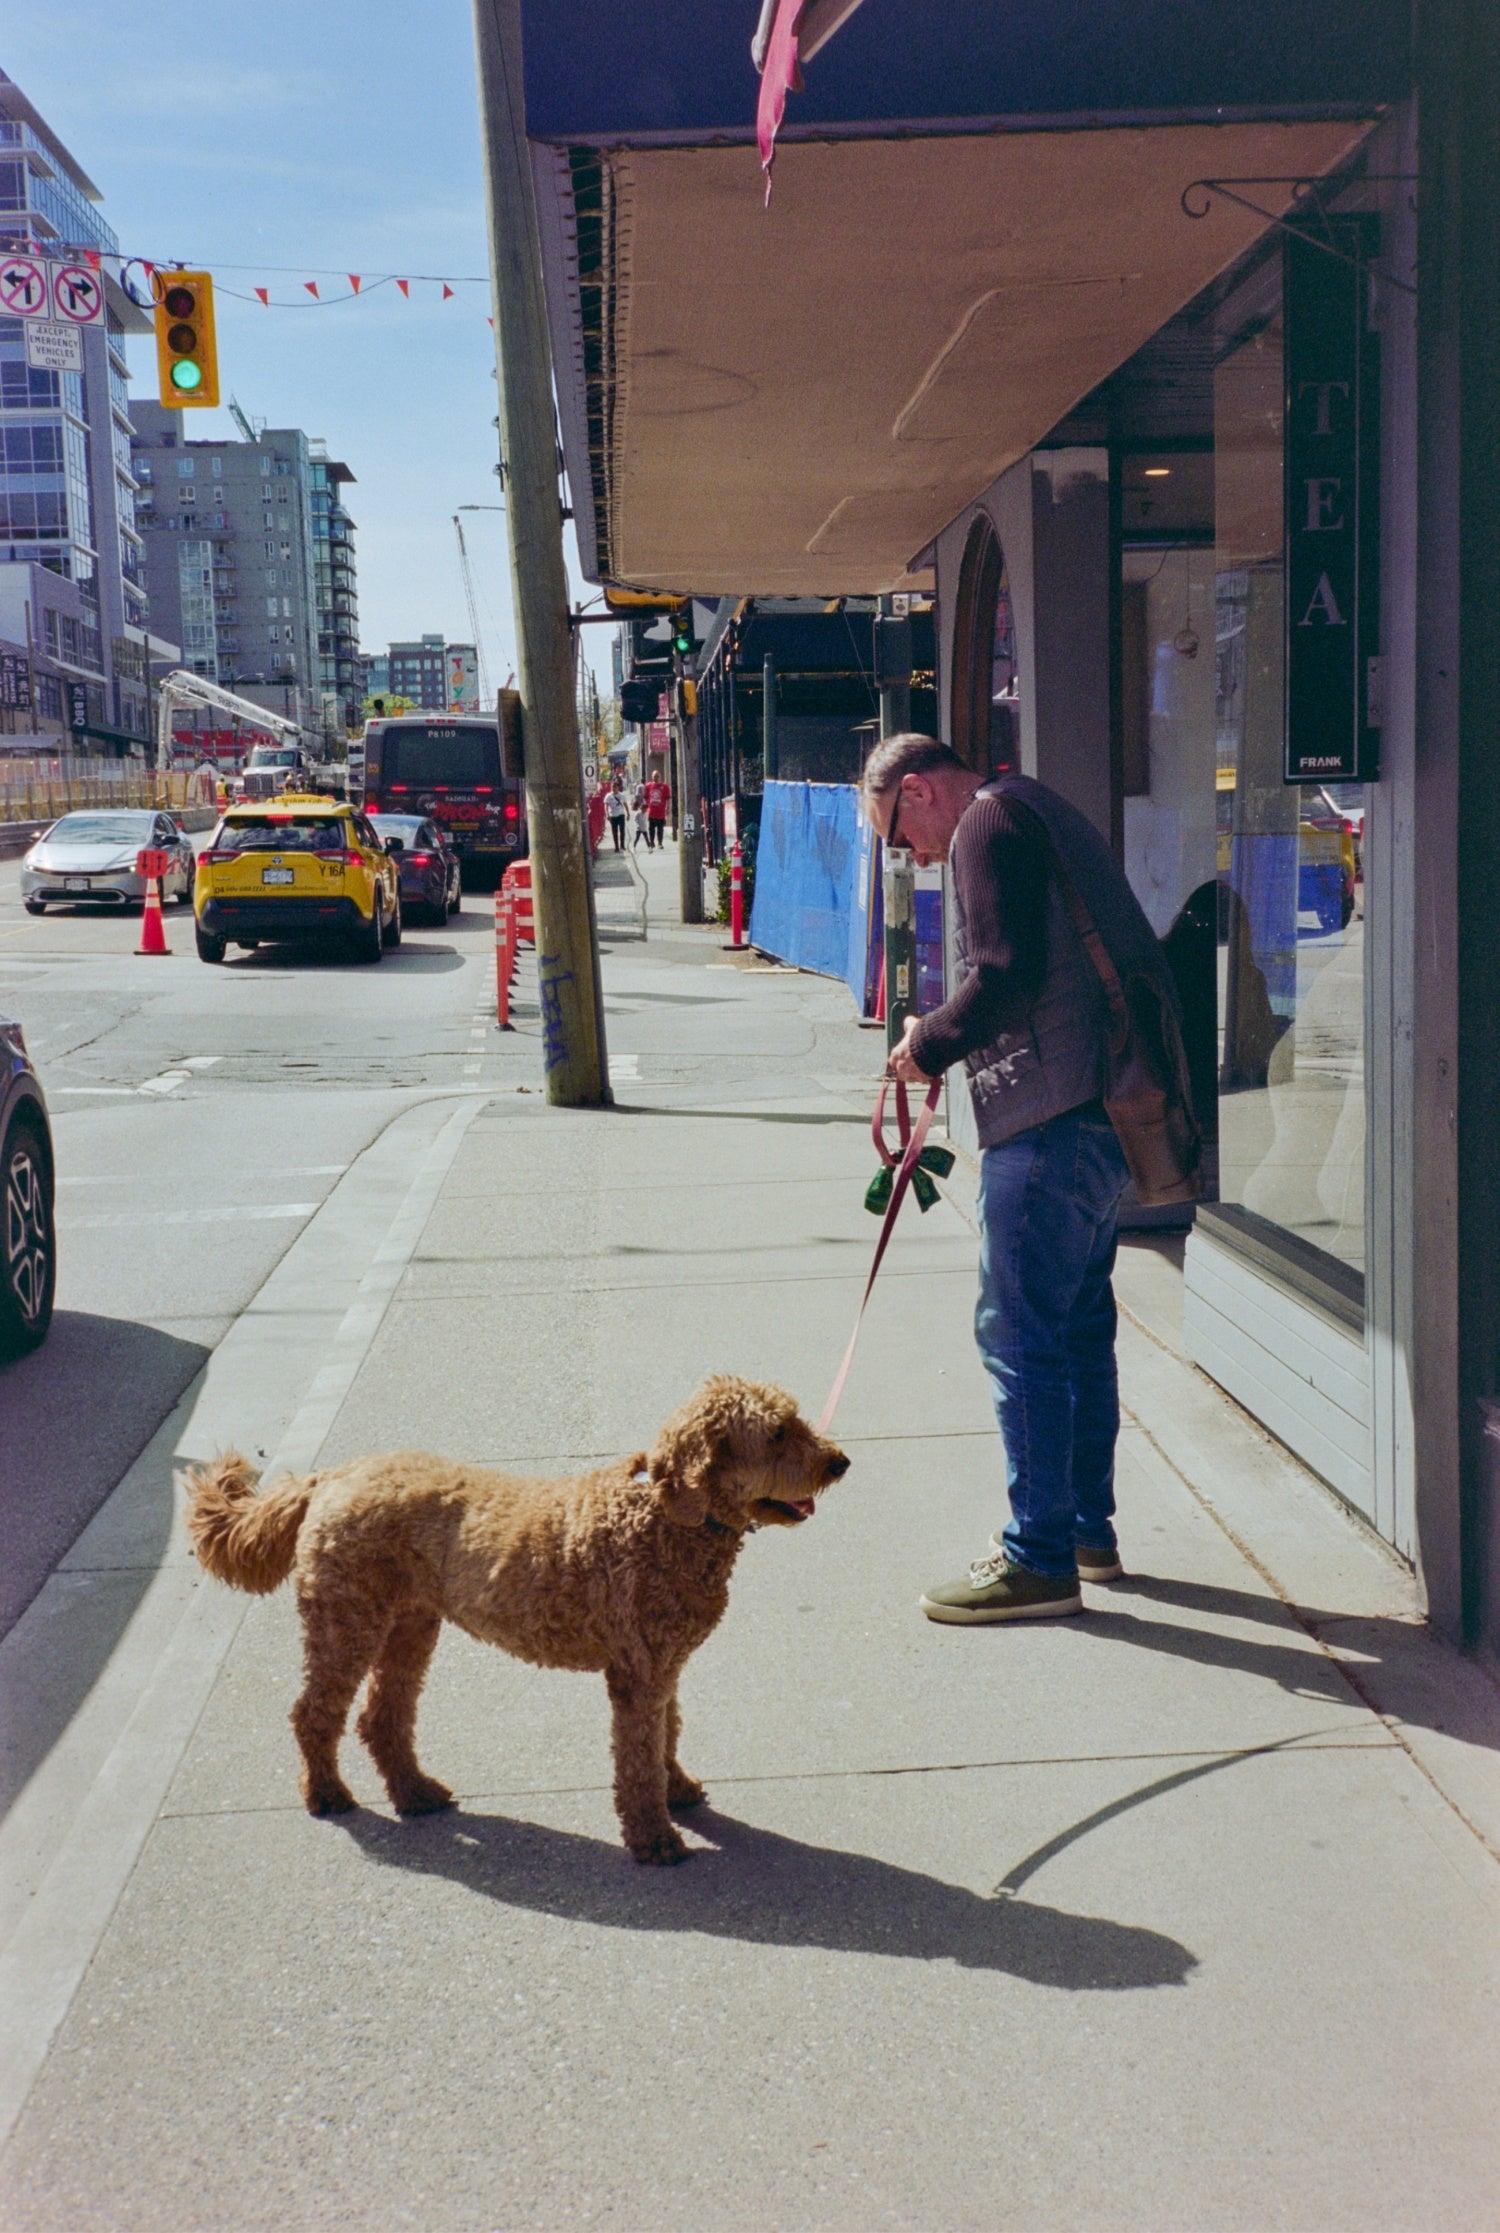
(322, 136)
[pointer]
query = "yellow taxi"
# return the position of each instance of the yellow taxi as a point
(296, 867)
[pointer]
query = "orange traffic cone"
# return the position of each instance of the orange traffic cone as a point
(153, 930)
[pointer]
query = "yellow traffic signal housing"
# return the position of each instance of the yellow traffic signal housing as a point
(187, 357)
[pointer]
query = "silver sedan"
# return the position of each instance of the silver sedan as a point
(89, 858)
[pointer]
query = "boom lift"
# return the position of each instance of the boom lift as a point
(180, 688)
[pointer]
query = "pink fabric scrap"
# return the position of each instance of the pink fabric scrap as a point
(781, 74)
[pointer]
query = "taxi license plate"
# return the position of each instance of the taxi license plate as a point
(277, 876)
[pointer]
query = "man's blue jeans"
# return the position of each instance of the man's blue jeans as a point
(1045, 1326)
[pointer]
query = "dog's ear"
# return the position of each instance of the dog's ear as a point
(681, 1463)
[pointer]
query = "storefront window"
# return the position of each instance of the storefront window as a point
(1291, 908)
(986, 695)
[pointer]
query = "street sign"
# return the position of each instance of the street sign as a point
(77, 294)
(24, 288)
(64, 294)
(1332, 465)
(51, 348)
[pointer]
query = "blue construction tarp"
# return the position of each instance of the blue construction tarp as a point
(814, 874)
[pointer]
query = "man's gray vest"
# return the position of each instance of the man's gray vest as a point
(1057, 1059)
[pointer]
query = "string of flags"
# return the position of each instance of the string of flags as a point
(360, 284)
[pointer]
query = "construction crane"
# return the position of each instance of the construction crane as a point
(179, 688)
(468, 574)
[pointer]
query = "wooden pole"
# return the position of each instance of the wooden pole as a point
(573, 1048)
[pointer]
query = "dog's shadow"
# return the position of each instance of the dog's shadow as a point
(768, 1890)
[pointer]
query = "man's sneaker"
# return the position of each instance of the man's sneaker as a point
(994, 1590)
(1094, 1565)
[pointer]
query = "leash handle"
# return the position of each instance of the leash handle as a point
(913, 1140)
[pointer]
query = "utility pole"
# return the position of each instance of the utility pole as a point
(770, 755)
(574, 1056)
(689, 802)
(892, 656)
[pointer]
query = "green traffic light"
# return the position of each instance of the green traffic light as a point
(186, 375)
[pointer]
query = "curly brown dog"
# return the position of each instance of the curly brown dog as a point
(624, 1572)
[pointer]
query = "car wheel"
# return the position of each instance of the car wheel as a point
(28, 1242)
(391, 935)
(36, 907)
(369, 943)
(209, 947)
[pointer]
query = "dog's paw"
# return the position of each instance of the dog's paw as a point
(423, 1795)
(324, 1799)
(662, 1851)
(684, 1790)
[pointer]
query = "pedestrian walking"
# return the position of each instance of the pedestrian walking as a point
(1030, 1023)
(616, 806)
(642, 829)
(658, 801)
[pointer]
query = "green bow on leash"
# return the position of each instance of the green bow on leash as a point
(932, 1160)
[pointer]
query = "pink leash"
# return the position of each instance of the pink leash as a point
(913, 1139)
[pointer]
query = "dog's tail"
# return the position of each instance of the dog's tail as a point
(244, 1539)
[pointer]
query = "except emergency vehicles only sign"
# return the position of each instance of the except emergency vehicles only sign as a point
(1332, 450)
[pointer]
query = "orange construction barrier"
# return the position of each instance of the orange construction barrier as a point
(152, 864)
(517, 881)
(505, 954)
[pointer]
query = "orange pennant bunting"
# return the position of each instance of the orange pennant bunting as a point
(312, 287)
(405, 286)
(354, 281)
(265, 295)
(447, 290)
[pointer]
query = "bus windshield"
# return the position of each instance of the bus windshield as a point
(425, 758)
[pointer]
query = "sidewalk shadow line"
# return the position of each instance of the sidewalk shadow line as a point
(764, 1889)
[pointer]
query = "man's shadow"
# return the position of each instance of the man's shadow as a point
(1391, 1661)
(764, 1889)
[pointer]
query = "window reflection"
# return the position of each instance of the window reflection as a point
(1291, 923)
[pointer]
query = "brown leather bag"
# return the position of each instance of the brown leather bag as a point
(1149, 1098)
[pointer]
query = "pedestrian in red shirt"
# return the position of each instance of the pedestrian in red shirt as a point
(658, 799)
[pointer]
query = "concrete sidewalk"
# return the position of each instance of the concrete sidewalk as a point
(1179, 1915)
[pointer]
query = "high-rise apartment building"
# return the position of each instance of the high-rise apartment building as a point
(418, 671)
(72, 580)
(232, 541)
(440, 677)
(336, 588)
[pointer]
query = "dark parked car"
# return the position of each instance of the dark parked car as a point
(28, 1240)
(430, 868)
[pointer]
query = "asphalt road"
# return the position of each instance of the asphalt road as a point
(200, 1116)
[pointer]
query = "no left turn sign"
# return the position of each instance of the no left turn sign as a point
(23, 287)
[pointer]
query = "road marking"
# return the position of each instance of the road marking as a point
(242, 1171)
(167, 1082)
(625, 1066)
(54, 1090)
(200, 1061)
(251, 1212)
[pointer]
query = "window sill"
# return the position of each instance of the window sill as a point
(1329, 1286)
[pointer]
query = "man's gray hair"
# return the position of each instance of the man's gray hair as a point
(907, 754)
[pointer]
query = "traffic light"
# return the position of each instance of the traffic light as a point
(187, 360)
(640, 700)
(682, 632)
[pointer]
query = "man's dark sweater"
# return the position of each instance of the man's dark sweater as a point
(1001, 874)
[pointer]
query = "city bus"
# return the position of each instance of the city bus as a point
(447, 766)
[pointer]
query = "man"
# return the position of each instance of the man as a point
(658, 799)
(1029, 1022)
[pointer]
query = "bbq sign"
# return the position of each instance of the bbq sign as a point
(1332, 453)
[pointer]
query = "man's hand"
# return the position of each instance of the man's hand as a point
(901, 1063)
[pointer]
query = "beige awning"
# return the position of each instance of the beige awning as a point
(802, 396)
